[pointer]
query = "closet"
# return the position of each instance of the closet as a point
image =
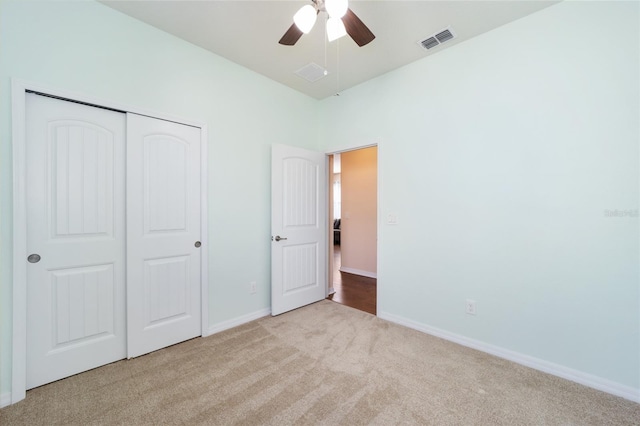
(113, 235)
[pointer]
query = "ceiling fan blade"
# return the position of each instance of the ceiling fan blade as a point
(292, 35)
(357, 29)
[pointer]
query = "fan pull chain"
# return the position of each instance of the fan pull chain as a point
(337, 67)
(325, 48)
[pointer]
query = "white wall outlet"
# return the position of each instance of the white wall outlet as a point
(470, 307)
(253, 287)
(392, 219)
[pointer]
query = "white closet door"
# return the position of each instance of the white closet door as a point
(76, 236)
(163, 233)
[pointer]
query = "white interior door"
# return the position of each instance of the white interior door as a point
(298, 228)
(75, 235)
(163, 233)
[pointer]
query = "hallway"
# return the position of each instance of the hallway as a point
(352, 290)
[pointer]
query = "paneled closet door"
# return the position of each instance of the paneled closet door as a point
(75, 238)
(113, 230)
(163, 233)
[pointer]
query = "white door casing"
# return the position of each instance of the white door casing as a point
(163, 233)
(298, 228)
(76, 224)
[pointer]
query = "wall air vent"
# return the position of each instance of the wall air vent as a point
(437, 38)
(311, 72)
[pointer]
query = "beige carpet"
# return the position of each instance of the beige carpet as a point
(322, 364)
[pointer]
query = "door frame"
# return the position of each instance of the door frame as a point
(19, 89)
(377, 142)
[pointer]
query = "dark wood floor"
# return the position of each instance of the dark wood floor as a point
(352, 290)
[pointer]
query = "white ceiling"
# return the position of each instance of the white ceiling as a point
(247, 33)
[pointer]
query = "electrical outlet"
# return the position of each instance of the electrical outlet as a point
(470, 307)
(253, 288)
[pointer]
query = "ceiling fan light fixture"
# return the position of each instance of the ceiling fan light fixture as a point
(336, 8)
(305, 18)
(335, 29)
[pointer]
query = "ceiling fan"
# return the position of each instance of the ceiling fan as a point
(342, 21)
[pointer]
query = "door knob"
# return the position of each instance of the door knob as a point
(33, 258)
(279, 238)
(198, 244)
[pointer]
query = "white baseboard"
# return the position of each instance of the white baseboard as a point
(558, 370)
(225, 325)
(5, 399)
(359, 272)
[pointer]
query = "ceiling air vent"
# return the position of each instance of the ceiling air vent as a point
(311, 72)
(437, 38)
(429, 43)
(444, 36)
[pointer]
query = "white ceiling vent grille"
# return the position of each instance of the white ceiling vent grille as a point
(311, 72)
(437, 38)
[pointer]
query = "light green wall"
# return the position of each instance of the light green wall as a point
(500, 156)
(89, 48)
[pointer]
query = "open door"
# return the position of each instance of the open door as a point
(298, 228)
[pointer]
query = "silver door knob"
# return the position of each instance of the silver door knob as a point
(279, 238)
(33, 258)
(198, 244)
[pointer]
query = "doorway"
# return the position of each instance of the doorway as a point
(353, 239)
